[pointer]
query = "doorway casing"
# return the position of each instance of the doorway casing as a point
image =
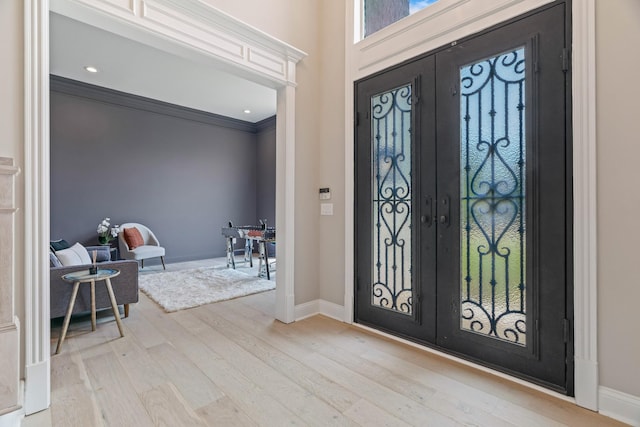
(191, 29)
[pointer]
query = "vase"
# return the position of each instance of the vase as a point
(103, 240)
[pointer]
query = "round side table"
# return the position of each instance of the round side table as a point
(84, 276)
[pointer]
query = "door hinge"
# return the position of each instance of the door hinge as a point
(566, 331)
(417, 90)
(357, 119)
(358, 284)
(565, 59)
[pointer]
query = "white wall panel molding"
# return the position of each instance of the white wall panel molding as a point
(269, 64)
(201, 27)
(9, 323)
(193, 31)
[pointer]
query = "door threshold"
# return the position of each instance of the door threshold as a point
(468, 363)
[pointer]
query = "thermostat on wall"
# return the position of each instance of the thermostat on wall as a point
(325, 194)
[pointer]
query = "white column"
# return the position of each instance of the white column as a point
(285, 202)
(349, 164)
(584, 205)
(36, 215)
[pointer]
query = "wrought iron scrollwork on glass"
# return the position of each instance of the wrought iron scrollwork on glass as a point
(391, 162)
(492, 197)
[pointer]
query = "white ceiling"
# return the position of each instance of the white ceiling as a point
(129, 66)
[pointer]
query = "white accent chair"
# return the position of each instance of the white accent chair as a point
(150, 249)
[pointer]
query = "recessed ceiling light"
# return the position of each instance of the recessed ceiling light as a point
(247, 111)
(91, 69)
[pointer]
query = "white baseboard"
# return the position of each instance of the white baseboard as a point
(319, 306)
(12, 419)
(620, 406)
(37, 386)
(586, 383)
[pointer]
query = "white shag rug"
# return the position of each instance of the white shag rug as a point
(177, 290)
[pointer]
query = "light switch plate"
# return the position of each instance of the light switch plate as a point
(325, 193)
(326, 208)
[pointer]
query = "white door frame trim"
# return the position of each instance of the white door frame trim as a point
(196, 29)
(420, 33)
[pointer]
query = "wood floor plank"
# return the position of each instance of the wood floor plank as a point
(543, 407)
(143, 372)
(254, 402)
(40, 419)
(366, 414)
(168, 408)
(512, 395)
(72, 399)
(145, 332)
(404, 386)
(433, 398)
(119, 403)
(259, 405)
(379, 395)
(505, 410)
(309, 408)
(223, 412)
(269, 352)
(196, 388)
(394, 403)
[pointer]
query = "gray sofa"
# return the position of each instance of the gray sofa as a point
(125, 288)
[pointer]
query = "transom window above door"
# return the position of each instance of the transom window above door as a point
(377, 14)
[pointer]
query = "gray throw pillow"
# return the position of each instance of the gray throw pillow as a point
(53, 260)
(103, 253)
(58, 245)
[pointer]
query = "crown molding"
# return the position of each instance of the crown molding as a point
(124, 99)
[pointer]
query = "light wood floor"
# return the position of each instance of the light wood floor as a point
(231, 364)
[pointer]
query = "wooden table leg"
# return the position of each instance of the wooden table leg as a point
(67, 317)
(93, 305)
(114, 306)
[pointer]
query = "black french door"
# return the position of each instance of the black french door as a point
(463, 202)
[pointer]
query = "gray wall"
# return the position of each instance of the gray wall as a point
(265, 172)
(183, 173)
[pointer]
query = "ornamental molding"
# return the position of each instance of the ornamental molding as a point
(196, 24)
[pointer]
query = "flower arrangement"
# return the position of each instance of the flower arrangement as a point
(106, 233)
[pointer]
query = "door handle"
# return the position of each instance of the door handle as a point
(427, 218)
(444, 211)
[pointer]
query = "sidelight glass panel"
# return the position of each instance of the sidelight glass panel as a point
(391, 157)
(492, 197)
